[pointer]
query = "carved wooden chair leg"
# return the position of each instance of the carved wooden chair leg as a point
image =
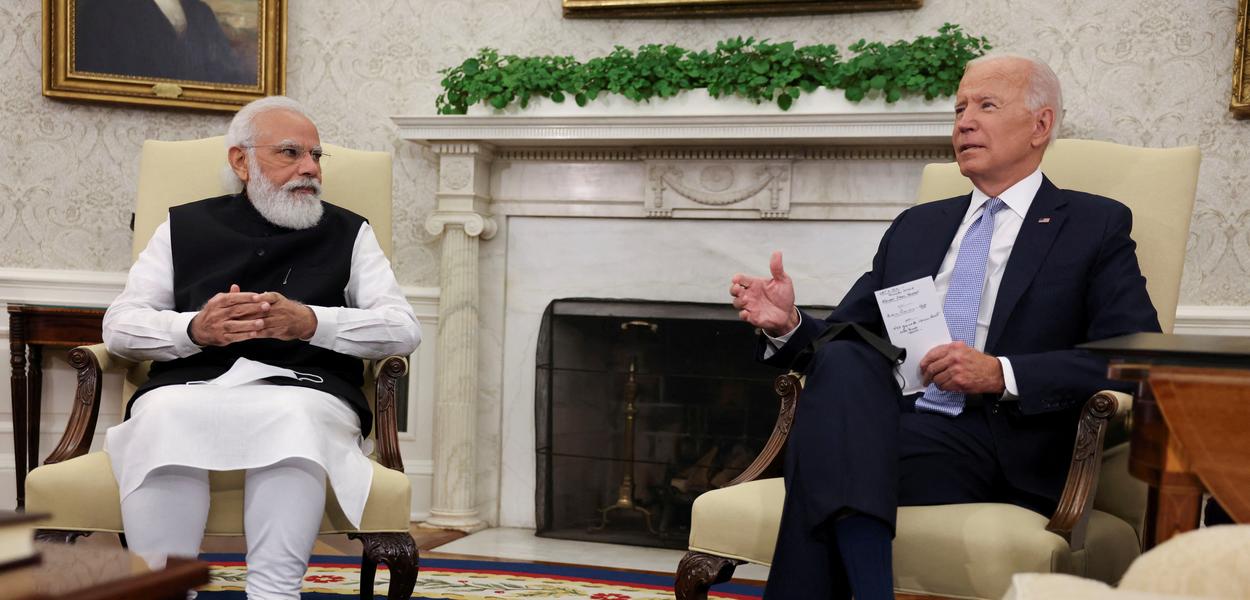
(59, 536)
(698, 571)
(399, 552)
(368, 568)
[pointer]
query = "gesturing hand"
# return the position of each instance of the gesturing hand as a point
(767, 303)
(228, 317)
(286, 319)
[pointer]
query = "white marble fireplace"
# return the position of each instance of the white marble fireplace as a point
(533, 209)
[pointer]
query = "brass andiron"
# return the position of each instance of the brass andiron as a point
(625, 494)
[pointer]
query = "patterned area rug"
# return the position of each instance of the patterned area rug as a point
(338, 577)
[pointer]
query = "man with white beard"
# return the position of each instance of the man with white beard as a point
(256, 308)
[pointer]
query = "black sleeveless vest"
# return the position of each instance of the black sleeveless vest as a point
(224, 240)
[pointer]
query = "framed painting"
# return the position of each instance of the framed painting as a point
(723, 8)
(1240, 104)
(202, 54)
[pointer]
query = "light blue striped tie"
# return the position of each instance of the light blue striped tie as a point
(963, 302)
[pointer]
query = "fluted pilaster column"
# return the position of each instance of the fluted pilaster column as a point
(462, 218)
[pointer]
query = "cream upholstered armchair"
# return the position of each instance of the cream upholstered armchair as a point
(78, 488)
(972, 550)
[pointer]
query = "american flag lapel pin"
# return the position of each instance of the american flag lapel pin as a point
(1044, 220)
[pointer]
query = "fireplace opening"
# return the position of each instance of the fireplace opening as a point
(641, 406)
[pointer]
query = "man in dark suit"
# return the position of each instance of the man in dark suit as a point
(1026, 272)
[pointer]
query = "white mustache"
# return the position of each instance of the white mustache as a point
(307, 182)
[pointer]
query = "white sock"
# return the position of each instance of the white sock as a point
(166, 514)
(283, 505)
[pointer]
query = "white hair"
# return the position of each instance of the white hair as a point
(242, 131)
(1044, 88)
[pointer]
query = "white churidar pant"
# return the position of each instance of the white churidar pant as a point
(290, 440)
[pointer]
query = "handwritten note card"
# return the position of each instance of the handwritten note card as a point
(913, 318)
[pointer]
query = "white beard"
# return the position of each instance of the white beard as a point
(284, 207)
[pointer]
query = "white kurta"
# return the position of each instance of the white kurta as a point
(250, 423)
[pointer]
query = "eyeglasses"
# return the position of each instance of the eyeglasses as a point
(289, 154)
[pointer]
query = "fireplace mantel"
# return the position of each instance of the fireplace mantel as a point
(924, 127)
(689, 198)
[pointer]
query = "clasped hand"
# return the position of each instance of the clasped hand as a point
(955, 367)
(235, 316)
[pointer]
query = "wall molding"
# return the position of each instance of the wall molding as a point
(1212, 320)
(418, 467)
(62, 288)
(97, 289)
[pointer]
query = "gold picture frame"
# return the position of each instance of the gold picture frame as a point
(611, 9)
(204, 54)
(1240, 104)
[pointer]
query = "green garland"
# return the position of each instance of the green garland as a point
(757, 70)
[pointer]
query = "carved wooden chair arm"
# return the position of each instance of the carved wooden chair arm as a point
(788, 387)
(386, 375)
(1071, 517)
(90, 363)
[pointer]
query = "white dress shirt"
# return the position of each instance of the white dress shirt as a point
(377, 322)
(1007, 224)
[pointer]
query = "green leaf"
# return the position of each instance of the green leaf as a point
(761, 71)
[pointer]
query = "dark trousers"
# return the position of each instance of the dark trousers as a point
(858, 445)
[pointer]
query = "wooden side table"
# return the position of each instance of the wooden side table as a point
(1190, 414)
(35, 327)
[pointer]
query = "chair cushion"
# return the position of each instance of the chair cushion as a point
(60, 490)
(737, 522)
(972, 550)
(936, 547)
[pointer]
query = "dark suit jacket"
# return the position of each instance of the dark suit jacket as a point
(1069, 280)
